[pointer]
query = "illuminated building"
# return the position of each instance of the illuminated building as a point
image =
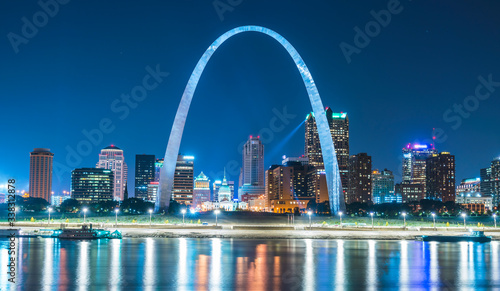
(144, 174)
(469, 186)
(339, 129)
(383, 187)
(40, 183)
(316, 184)
(201, 192)
(410, 192)
(414, 165)
(158, 167)
(475, 202)
(216, 186)
(184, 180)
(492, 181)
(152, 191)
(92, 185)
(440, 177)
(251, 181)
(360, 180)
(56, 200)
(485, 176)
(111, 158)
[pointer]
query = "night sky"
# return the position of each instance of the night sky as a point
(65, 77)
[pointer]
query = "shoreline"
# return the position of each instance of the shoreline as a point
(272, 232)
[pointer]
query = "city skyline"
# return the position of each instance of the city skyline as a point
(376, 109)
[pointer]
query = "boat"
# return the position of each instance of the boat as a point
(473, 236)
(86, 232)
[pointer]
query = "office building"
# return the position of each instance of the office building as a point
(360, 180)
(92, 185)
(414, 165)
(383, 187)
(40, 183)
(152, 192)
(485, 177)
(158, 167)
(440, 177)
(410, 192)
(339, 128)
(471, 186)
(201, 192)
(111, 158)
(251, 179)
(182, 191)
(144, 174)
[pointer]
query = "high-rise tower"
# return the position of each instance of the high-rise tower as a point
(252, 173)
(40, 183)
(440, 177)
(144, 174)
(111, 158)
(414, 164)
(339, 128)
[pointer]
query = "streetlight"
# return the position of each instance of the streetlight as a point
(216, 213)
(116, 217)
(340, 214)
(183, 213)
(150, 214)
(84, 214)
(371, 213)
(434, 220)
(404, 217)
(50, 209)
(192, 211)
(495, 219)
(465, 225)
(310, 222)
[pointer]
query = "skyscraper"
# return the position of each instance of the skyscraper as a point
(40, 183)
(144, 174)
(252, 173)
(360, 180)
(440, 177)
(485, 176)
(158, 167)
(339, 128)
(495, 181)
(182, 191)
(112, 158)
(201, 192)
(383, 187)
(414, 164)
(92, 185)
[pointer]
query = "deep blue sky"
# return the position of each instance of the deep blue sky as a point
(395, 90)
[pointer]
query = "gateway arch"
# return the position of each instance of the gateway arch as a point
(327, 148)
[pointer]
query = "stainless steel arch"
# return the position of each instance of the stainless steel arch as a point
(327, 148)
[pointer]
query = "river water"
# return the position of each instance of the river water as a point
(246, 264)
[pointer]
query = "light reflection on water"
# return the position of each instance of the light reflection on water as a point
(219, 264)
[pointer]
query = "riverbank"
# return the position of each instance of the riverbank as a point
(271, 232)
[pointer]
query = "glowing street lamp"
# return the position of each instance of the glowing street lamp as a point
(150, 214)
(404, 217)
(116, 217)
(216, 213)
(434, 220)
(371, 213)
(50, 209)
(464, 215)
(340, 214)
(183, 213)
(192, 211)
(310, 222)
(84, 214)
(495, 219)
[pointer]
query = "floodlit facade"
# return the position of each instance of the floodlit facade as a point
(383, 187)
(414, 164)
(201, 192)
(111, 158)
(40, 183)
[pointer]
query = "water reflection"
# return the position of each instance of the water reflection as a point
(220, 264)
